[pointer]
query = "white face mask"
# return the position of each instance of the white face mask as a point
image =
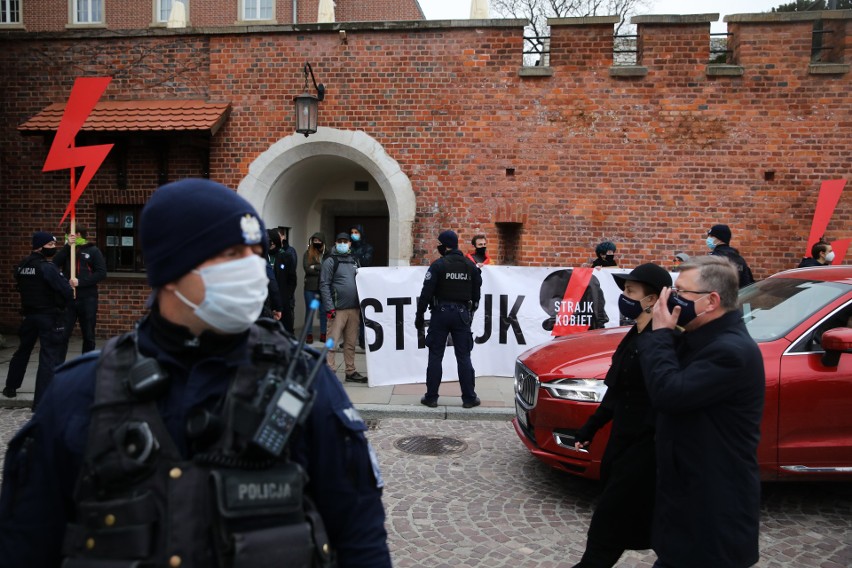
(829, 257)
(234, 293)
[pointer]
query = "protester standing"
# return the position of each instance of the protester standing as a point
(312, 263)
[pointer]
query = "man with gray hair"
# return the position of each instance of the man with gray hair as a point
(707, 386)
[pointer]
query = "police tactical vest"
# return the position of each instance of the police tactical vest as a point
(141, 504)
(37, 296)
(456, 284)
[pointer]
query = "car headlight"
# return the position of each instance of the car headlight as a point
(583, 390)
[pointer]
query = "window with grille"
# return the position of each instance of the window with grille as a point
(118, 237)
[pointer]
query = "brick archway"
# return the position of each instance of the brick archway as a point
(355, 146)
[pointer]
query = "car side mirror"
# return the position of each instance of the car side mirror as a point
(836, 341)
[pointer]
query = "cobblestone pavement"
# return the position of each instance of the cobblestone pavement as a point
(487, 503)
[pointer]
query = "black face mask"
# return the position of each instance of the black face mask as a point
(629, 308)
(687, 309)
(480, 252)
(318, 246)
(442, 249)
(48, 252)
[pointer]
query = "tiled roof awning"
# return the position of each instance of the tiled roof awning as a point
(138, 116)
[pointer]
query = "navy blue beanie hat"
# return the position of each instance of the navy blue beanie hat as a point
(41, 238)
(449, 239)
(190, 221)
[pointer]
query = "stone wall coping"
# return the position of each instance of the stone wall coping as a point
(584, 21)
(675, 19)
(773, 17)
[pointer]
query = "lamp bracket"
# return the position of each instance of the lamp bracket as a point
(320, 88)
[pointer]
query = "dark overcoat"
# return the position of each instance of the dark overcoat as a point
(622, 518)
(707, 387)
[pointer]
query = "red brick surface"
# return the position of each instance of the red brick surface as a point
(649, 162)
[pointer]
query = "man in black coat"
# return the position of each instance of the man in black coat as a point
(718, 238)
(707, 387)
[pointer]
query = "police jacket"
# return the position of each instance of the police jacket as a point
(708, 387)
(90, 268)
(732, 254)
(45, 458)
(43, 289)
(451, 278)
(337, 282)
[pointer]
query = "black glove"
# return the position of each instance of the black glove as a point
(419, 321)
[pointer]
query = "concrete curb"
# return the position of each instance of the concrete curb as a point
(441, 412)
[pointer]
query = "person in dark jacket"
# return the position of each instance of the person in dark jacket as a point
(272, 306)
(312, 263)
(44, 293)
(707, 387)
(821, 255)
(622, 519)
(284, 260)
(604, 255)
(718, 238)
(451, 290)
(90, 269)
(182, 377)
(361, 249)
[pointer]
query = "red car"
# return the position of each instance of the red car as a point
(801, 320)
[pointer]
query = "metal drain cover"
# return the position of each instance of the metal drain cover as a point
(430, 445)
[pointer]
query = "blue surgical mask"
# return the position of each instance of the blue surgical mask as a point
(342, 248)
(234, 293)
(355, 237)
(711, 243)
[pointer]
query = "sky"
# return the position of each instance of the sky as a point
(460, 9)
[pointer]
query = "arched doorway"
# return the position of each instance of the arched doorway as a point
(322, 182)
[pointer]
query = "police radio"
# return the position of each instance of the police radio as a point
(286, 400)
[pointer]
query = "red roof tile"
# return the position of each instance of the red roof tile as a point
(138, 116)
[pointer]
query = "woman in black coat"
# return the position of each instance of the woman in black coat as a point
(622, 519)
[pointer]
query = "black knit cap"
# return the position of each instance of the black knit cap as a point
(449, 239)
(190, 221)
(41, 238)
(649, 273)
(721, 232)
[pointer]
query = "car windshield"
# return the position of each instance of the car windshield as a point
(773, 307)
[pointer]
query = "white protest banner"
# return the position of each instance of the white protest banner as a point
(511, 319)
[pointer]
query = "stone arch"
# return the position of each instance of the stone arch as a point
(269, 167)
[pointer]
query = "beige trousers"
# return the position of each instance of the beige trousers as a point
(344, 329)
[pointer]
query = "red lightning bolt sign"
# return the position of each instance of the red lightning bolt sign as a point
(63, 154)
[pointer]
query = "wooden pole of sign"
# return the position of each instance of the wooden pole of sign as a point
(72, 260)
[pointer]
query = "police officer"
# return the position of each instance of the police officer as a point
(175, 445)
(90, 268)
(451, 291)
(44, 293)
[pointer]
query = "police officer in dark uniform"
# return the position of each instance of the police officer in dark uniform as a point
(200, 439)
(44, 293)
(451, 291)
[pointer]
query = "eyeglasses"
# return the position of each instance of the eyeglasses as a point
(676, 292)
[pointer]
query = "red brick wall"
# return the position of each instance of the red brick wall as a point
(648, 162)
